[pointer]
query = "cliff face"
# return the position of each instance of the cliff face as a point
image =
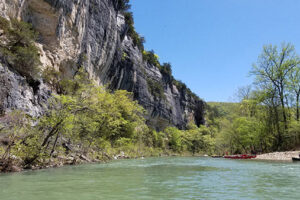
(92, 33)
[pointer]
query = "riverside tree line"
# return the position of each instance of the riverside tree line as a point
(267, 116)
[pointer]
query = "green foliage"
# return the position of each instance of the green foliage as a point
(91, 117)
(200, 140)
(20, 135)
(182, 87)
(124, 56)
(151, 58)
(292, 138)
(194, 139)
(159, 139)
(266, 119)
(123, 5)
(175, 139)
(156, 89)
(64, 85)
(18, 48)
(52, 77)
(88, 116)
(276, 79)
(238, 127)
(166, 69)
(136, 38)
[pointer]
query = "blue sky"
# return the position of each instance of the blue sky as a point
(212, 44)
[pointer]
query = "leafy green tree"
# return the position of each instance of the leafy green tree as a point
(175, 139)
(272, 71)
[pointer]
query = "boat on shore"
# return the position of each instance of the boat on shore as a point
(244, 156)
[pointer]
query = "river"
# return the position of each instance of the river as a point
(157, 178)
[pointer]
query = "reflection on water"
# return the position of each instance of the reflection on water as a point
(157, 178)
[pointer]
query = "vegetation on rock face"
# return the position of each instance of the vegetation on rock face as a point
(166, 70)
(156, 89)
(17, 47)
(136, 38)
(123, 5)
(150, 56)
(89, 121)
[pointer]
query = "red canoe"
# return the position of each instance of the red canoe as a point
(240, 156)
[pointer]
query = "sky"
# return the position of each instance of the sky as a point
(212, 44)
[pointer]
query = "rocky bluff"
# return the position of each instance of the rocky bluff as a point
(93, 34)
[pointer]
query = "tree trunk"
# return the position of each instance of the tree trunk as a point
(54, 145)
(51, 133)
(297, 106)
(283, 110)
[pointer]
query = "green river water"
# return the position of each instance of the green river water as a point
(157, 178)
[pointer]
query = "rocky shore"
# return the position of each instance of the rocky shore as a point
(278, 156)
(13, 164)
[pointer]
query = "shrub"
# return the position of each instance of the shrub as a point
(166, 69)
(175, 139)
(22, 139)
(89, 113)
(151, 58)
(18, 48)
(156, 89)
(136, 38)
(123, 5)
(52, 77)
(124, 56)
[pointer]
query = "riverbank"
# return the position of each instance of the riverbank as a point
(14, 164)
(278, 156)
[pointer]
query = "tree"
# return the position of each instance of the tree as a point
(273, 68)
(244, 93)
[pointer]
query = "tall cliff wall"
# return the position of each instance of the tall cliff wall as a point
(92, 33)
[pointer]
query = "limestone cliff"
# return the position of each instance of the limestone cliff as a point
(92, 33)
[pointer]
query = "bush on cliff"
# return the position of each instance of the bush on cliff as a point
(156, 89)
(166, 69)
(136, 38)
(17, 47)
(151, 58)
(123, 5)
(86, 117)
